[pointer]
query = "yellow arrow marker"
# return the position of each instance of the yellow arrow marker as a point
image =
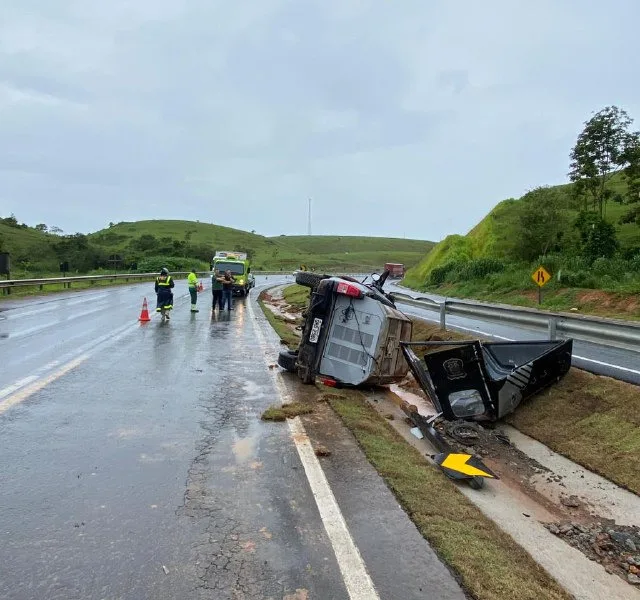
(458, 462)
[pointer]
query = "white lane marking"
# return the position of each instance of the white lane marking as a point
(18, 312)
(354, 572)
(23, 388)
(591, 360)
(17, 385)
(30, 330)
(24, 393)
(604, 364)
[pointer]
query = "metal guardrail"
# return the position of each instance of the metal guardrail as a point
(599, 330)
(8, 284)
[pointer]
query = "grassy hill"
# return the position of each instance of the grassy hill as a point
(181, 243)
(357, 250)
(286, 252)
(496, 236)
(24, 243)
(483, 264)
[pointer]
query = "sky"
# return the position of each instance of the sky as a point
(405, 119)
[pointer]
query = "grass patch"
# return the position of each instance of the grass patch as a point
(286, 411)
(287, 335)
(593, 420)
(491, 564)
(297, 295)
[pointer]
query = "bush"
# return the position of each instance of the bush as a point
(480, 268)
(579, 279)
(439, 275)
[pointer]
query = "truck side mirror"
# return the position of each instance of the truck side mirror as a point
(248, 269)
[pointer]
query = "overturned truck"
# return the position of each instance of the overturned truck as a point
(354, 334)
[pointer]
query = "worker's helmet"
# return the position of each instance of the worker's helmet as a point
(164, 271)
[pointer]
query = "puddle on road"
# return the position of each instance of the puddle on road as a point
(244, 448)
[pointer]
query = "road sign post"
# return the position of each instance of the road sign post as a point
(540, 277)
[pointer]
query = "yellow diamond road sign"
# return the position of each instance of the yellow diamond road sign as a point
(540, 276)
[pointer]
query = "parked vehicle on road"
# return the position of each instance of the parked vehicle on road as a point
(351, 333)
(240, 267)
(396, 270)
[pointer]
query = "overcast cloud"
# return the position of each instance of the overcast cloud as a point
(409, 118)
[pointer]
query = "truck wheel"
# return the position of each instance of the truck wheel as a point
(287, 360)
(310, 280)
(242, 293)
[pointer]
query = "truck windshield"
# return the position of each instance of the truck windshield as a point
(235, 268)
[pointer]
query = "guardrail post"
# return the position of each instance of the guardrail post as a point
(443, 315)
(553, 326)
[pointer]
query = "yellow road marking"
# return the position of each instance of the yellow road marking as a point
(24, 393)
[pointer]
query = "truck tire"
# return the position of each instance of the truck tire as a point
(287, 360)
(310, 280)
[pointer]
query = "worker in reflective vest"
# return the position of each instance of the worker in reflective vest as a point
(164, 285)
(192, 282)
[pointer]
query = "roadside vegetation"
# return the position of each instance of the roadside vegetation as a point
(289, 337)
(146, 246)
(586, 234)
(297, 296)
(286, 411)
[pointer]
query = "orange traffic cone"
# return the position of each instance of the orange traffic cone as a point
(144, 314)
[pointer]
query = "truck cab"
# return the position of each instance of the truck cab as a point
(240, 267)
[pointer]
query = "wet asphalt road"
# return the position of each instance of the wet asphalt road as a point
(619, 363)
(135, 465)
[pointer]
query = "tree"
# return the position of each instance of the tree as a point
(541, 223)
(604, 148)
(10, 221)
(111, 224)
(55, 230)
(42, 227)
(597, 236)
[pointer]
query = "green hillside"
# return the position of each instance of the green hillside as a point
(181, 244)
(490, 263)
(496, 236)
(28, 247)
(358, 250)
